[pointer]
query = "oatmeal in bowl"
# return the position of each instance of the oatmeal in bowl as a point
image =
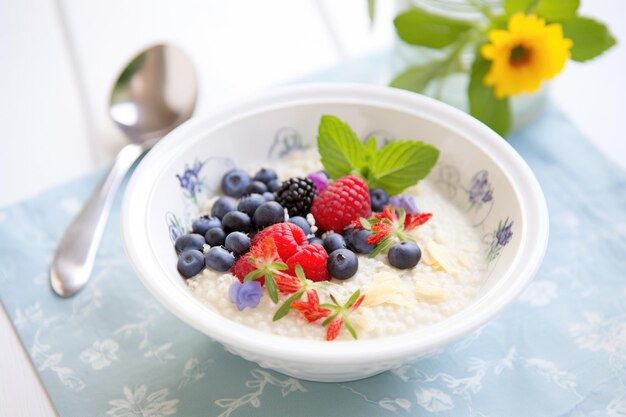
(334, 232)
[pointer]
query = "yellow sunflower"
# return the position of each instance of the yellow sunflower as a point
(524, 55)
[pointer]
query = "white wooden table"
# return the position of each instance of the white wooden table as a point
(60, 57)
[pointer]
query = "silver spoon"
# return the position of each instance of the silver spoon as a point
(155, 93)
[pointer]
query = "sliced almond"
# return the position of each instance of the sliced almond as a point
(386, 288)
(440, 256)
(430, 293)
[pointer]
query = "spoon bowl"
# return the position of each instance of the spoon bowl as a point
(154, 94)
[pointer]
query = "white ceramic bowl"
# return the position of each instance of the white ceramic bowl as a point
(477, 169)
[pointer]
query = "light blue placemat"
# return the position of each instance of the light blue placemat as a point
(560, 350)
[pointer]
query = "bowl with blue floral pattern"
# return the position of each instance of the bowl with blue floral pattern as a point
(477, 172)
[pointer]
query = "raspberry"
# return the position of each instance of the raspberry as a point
(296, 195)
(343, 201)
(287, 236)
(312, 258)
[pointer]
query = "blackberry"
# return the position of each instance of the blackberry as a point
(296, 195)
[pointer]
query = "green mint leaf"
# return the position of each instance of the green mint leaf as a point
(284, 309)
(402, 164)
(340, 149)
(418, 27)
(350, 329)
(514, 6)
(370, 148)
(591, 38)
(557, 9)
(484, 105)
(270, 284)
(365, 223)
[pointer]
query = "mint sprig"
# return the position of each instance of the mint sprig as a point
(394, 167)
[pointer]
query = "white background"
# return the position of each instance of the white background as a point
(59, 59)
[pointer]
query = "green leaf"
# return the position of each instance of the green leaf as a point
(340, 149)
(402, 164)
(591, 38)
(365, 223)
(257, 273)
(371, 11)
(382, 246)
(355, 295)
(514, 6)
(270, 284)
(418, 27)
(484, 105)
(300, 273)
(557, 9)
(329, 319)
(418, 77)
(284, 309)
(350, 329)
(281, 266)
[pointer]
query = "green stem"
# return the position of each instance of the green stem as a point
(477, 4)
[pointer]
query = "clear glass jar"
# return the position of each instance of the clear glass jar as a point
(452, 89)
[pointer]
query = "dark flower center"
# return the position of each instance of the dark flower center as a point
(519, 56)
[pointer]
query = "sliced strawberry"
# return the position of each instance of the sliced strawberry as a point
(312, 258)
(243, 267)
(287, 236)
(261, 256)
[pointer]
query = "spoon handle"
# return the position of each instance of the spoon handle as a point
(74, 257)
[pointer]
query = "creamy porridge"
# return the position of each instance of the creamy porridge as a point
(445, 280)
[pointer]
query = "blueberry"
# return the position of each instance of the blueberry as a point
(301, 223)
(269, 213)
(235, 182)
(334, 241)
(342, 264)
(215, 236)
(379, 199)
(190, 241)
(358, 241)
(190, 263)
(315, 240)
(238, 243)
(250, 203)
(269, 196)
(274, 185)
(203, 224)
(236, 221)
(219, 259)
(222, 206)
(256, 187)
(404, 255)
(265, 175)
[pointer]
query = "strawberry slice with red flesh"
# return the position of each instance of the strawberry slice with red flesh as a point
(287, 236)
(312, 258)
(262, 254)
